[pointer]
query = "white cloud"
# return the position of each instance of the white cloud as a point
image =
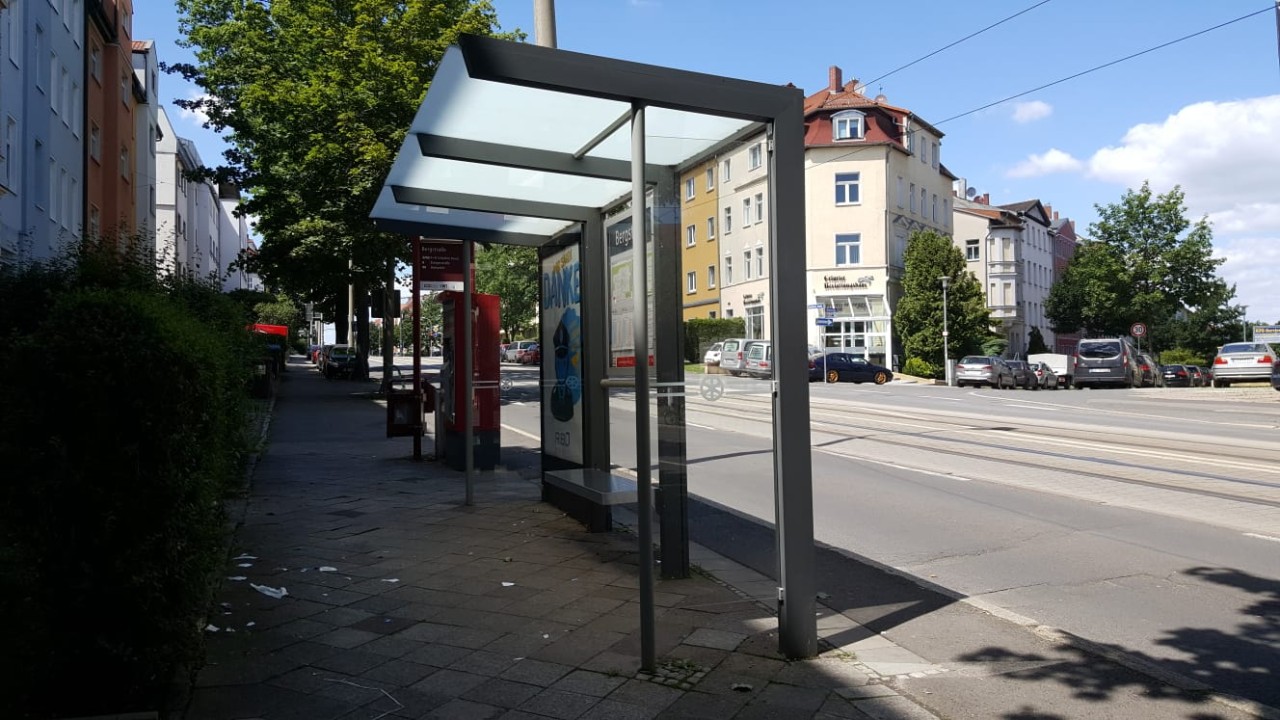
(1052, 161)
(196, 116)
(1251, 265)
(1025, 112)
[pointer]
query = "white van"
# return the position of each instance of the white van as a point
(733, 354)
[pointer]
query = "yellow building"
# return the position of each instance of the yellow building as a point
(698, 194)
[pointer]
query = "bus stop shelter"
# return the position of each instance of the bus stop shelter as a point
(547, 148)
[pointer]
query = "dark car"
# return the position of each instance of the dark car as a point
(1178, 375)
(340, 361)
(1023, 377)
(1150, 369)
(843, 367)
(1275, 375)
(1199, 378)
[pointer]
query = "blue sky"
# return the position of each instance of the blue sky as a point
(1203, 114)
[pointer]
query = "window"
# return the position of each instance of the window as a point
(711, 179)
(11, 32)
(95, 221)
(64, 86)
(7, 161)
(901, 191)
(42, 69)
(42, 180)
(759, 207)
(913, 197)
(711, 228)
(95, 63)
(924, 151)
(760, 260)
(688, 189)
(899, 258)
(55, 89)
(971, 250)
(946, 213)
(847, 188)
(847, 125)
(728, 270)
(728, 313)
(754, 155)
(935, 207)
(725, 171)
(746, 264)
(64, 199)
(935, 156)
(728, 220)
(922, 197)
(711, 276)
(746, 212)
(76, 118)
(95, 141)
(848, 249)
(125, 88)
(690, 236)
(124, 162)
(691, 282)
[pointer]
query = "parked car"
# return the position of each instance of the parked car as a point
(1199, 376)
(502, 351)
(516, 350)
(733, 354)
(843, 367)
(1150, 369)
(322, 357)
(979, 370)
(758, 361)
(1046, 378)
(1023, 377)
(1275, 375)
(1106, 361)
(1242, 361)
(313, 353)
(1061, 365)
(1207, 371)
(1178, 375)
(712, 356)
(340, 361)
(532, 356)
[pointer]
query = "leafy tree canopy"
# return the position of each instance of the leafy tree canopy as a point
(512, 273)
(929, 257)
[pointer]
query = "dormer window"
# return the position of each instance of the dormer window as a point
(848, 125)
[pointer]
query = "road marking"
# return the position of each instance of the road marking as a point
(1145, 416)
(886, 463)
(518, 431)
(1263, 537)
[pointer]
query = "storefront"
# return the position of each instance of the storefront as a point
(859, 320)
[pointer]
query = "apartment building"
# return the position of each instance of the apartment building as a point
(41, 128)
(700, 255)
(234, 240)
(1065, 242)
(743, 234)
(146, 130)
(113, 92)
(873, 175)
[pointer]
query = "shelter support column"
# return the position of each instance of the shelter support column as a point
(672, 500)
(595, 346)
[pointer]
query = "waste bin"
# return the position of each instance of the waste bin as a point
(404, 413)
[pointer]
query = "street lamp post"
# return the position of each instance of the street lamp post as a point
(946, 353)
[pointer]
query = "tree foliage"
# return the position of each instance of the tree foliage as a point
(929, 257)
(1147, 263)
(1035, 342)
(512, 273)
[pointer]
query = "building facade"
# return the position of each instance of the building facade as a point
(110, 103)
(234, 241)
(873, 175)
(41, 128)
(1065, 241)
(146, 130)
(174, 209)
(743, 235)
(700, 256)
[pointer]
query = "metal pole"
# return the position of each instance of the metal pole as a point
(946, 353)
(468, 384)
(640, 314)
(417, 341)
(544, 23)
(351, 302)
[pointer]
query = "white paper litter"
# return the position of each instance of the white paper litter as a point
(250, 624)
(391, 580)
(508, 584)
(244, 565)
(211, 628)
(237, 578)
(245, 556)
(326, 568)
(276, 593)
(546, 637)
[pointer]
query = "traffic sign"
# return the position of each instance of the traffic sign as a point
(830, 311)
(1138, 329)
(823, 321)
(1266, 333)
(816, 306)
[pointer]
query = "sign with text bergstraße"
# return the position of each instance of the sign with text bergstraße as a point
(441, 266)
(1266, 333)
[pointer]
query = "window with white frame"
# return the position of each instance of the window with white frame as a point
(760, 260)
(55, 86)
(971, 250)
(759, 207)
(711, 179)
(899, 250)
(936, 160)
(727, 225)
(746, 264)
(848, 125)
(755, 155)
(95, 141)
(7, 161)
(728, 269)
(124, 162)
(11, 32)
(726, 171)
(690, 236)
(847, 188)
(42, 181)
(711, 276)
(711, 228)
(691, 282)
(688, 189)
(913, 197)
(95, 221)
(64, 199)
(64, 84)
(901, 192)
(42, 68)
(125, 89)
(95, 63)
(848, 249)
(946, 213)
(923, 194)
(746, 212)
(924, 151)
(935, 207)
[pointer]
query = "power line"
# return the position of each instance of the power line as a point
(957, 42)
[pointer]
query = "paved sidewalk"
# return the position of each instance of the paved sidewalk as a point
(395, 600)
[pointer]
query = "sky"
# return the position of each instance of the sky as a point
(1203, 114)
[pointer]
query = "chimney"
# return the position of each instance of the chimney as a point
(1055, 216)
(1048, 210)
(835, 79)
(984, 198)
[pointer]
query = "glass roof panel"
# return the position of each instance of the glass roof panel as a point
(502, 182)
(671, 136)
(388, 209)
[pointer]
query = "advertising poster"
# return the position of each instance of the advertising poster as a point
(618, 237)
(562, 355)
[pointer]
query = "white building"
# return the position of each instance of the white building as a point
(873, 175)
(147, 131)
(174, 207)
(1010, 250)
(234, 239)
(743, 234)
(206, 208)
(41, 128)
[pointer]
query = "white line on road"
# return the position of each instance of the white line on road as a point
(886, 463)
(1263, 537)
(518, 431)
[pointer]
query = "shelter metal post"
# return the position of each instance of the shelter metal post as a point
(672, 503)
(595, 345)
(468, 374)
(640, 314)
(417, 338)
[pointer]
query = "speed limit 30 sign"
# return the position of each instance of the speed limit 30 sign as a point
(1138, 329)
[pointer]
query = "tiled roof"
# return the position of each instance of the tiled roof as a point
(1023, 206)
(847, 99)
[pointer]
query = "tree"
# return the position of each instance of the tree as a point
(315, 97)
(918, 316)
(1147, 263)
(1035, 342)
(512, 273)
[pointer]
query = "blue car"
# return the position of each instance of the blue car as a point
(1275, 375)
(843, 367)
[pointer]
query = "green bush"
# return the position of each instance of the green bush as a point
(918, 367)
(120, 439)
(702, 333)
(1182, 356)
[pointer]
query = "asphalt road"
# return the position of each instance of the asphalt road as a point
(1146, 520)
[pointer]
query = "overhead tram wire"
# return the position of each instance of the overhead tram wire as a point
(957, 42)
(1082, 73)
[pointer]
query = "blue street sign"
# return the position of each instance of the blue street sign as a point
(823, 321)
(816, 306)
(831, 311)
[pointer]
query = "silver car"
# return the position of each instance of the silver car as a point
(1244, 362)
(984, 370)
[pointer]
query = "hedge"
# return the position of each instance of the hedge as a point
(702, 333)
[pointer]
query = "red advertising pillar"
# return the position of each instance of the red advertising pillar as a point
(486, 412)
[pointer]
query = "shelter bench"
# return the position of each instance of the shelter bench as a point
(588, 495)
